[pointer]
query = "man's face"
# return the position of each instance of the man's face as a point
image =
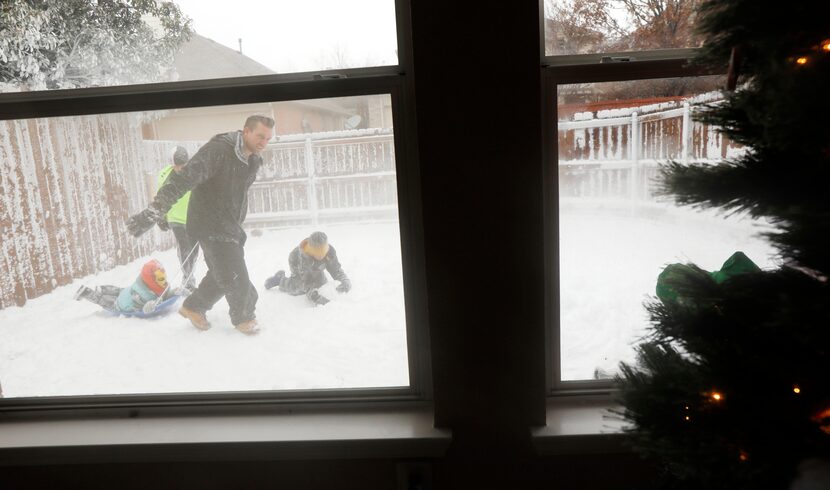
(257, 139)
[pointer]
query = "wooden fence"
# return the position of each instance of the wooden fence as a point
(67, 186)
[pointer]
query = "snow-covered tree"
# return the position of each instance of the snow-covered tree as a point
(83, 43)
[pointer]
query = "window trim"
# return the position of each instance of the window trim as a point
(563, 74)
(632, 56)
(396, 81)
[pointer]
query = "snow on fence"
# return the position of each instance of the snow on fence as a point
(325, 177)
(617, 153)
(67, 186)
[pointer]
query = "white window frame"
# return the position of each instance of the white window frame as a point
(397, 81)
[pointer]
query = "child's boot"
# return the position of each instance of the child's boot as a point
(274, 280)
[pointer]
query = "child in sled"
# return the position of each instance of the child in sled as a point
(307, 262)
(150, 285)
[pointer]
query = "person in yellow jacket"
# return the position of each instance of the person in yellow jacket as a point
(176, 220)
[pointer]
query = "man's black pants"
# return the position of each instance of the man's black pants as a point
(227, 276)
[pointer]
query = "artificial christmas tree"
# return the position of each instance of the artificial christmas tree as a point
(732, 388)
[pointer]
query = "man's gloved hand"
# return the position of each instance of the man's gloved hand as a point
(138, 224)
(345, 286)
(163, 225)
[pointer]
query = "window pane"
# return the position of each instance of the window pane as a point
(67, 186)
(615, 237)
(85, 43)
(604, 26)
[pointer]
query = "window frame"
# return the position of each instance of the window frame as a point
(397, 82)
(586, 68)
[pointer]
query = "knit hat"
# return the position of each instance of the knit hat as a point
(316, 245)
(154, 276)
(180, 155)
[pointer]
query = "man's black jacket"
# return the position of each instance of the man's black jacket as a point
(219, 177)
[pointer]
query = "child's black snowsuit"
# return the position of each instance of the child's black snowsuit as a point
(307, 273)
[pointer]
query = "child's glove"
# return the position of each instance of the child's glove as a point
(345, 286)
(163, 225)
(316, 297)
(139, 223)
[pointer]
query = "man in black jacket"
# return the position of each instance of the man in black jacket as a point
(219, 175)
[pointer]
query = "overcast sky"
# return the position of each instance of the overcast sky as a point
(300, 35)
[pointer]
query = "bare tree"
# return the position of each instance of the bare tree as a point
(596, 26)
(655, 24)
(579, 26)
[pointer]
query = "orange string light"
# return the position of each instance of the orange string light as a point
(717, 396)
(802, 60)
(796, 389)
(825, 45)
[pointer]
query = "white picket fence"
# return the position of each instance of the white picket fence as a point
(619, 156)
(315, 178)
(326, 177)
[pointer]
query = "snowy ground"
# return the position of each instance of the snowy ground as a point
(610, 256)
(610, 259)
(56, 346)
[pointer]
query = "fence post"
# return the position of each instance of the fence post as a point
(634, 155)
(685, 130)
(312, 184)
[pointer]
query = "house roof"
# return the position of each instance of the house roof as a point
(202, 58)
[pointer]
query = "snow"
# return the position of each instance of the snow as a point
(610, 255)
(56, 346)
(611, 252)
(341, 134)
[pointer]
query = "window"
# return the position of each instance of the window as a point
(618, 26)
(610, 122)
(62, 45)
(77, 163)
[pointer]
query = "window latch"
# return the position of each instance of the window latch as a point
(615, 59)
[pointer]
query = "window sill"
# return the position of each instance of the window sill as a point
(580, 426)
(392, 433)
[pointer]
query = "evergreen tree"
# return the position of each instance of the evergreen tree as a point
(732, 388)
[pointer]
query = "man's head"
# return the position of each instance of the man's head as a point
(180, 158)
(257, 132)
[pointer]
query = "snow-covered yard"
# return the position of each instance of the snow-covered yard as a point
(610, 259)
(610, 256)
(56, 346)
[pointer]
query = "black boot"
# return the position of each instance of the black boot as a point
(82, 292)
(274, 280)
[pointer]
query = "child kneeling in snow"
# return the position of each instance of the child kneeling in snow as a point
(307, 263)
(150, 285)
